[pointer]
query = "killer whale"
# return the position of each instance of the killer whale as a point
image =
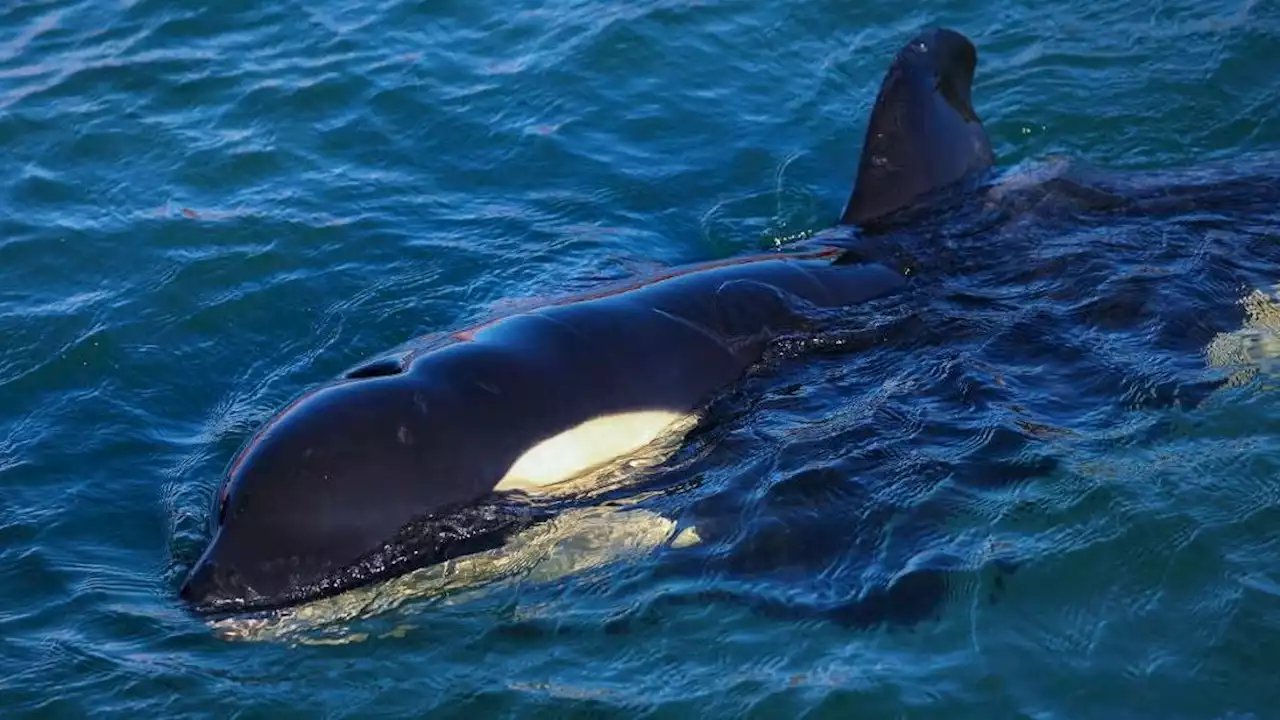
(432, 452)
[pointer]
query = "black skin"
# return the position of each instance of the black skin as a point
(393, 466)
(924, 136)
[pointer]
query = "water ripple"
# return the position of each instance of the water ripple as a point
(209, 207)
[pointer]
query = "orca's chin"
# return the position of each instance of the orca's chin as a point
(216, 586)
(207, 592)
(211, 589)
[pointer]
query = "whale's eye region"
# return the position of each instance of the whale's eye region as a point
(385, 367)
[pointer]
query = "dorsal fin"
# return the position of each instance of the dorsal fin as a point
(924, 134)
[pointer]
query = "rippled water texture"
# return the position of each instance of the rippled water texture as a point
(205, 209)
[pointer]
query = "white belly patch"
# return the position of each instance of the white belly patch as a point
(590, 445)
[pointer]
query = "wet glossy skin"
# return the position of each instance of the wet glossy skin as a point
(345, 467)
(396, 464)
(924, 134)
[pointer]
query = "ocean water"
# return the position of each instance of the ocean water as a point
(206, 208)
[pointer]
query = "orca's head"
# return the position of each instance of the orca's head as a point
(317, 501)
(924, 134)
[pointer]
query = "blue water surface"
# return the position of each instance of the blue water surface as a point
(207, 208)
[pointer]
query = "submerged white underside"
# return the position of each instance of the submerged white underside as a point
(1255, 347)
(577, 541)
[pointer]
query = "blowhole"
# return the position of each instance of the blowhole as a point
(385, 367)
